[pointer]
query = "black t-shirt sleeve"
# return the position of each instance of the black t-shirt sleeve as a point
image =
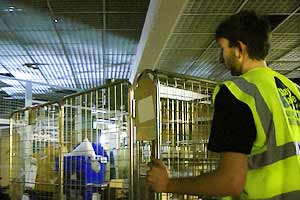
(233, 128)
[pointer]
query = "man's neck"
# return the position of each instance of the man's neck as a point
(253, 64)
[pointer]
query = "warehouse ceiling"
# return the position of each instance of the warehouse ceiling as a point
(190, 47)
(63, 46)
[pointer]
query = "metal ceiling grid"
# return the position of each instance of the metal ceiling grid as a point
(82, 36)
(3, 26)
(59, 74)
(127, 6)
(19, 90)
(125, 21)
(291, 28)
(2, 84)
(212, 6)
(37, 37)
(63, 6)
(86, 41)
(181, 54)
(291, 25)
(14, 88)
(84, 79)
(275, 54)
(121, 42)
(293, 74)
(11, 50)
(86, 59)
(79, 52)
(222, 72)
(78, 21)
(13, 91)
(283, 66)
(285, 40)
(44, 49)
(40, 89)
(82, 46)
(118, 60)
(113, 71)
(97, 39)
(50, 60)
(208, 58)
(173, 65)
(207, 69)
(37, 5)
(15, 61)
(193, 40)
(193, 24)
(26, 73)
(7, 38)
(169, 65)
(2, 70)
(13, 83)
(191, 33)
(198, 21)
(204, 69)
(178, 60)
(293, 55)
(272, 6)
(27, 20)
(120, 50)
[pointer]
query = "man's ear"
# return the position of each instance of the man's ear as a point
(241, 49)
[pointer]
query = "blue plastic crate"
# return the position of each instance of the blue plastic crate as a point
(78, 170)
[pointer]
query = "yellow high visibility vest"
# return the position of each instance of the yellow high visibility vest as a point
(274, 162)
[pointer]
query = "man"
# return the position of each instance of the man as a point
(255, 125)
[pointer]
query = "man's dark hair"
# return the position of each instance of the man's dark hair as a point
(252, 30)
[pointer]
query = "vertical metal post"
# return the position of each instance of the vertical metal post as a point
(11, 121)
(85, 116)
(61, 156)
(131, 144)
(158, 131)
(91, 115)
(28, 94)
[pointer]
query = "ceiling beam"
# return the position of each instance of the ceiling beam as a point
(160, 21)
(40, 83)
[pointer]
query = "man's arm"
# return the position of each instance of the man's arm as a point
(228, 180)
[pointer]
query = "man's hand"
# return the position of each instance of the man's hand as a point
(158, 176)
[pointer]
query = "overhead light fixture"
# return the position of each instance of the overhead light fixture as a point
(13, 9)
(181, 94)
(31, 65)
(56, 20)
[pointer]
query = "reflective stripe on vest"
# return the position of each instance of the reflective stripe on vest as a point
(273, 153)
(287, 196)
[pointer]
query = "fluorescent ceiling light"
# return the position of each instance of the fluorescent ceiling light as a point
(181, 94)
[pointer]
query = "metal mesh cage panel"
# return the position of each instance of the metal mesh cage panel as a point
(7, 106)
(181, 128)
(34, 153)
(95, 135)
(4, 164)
